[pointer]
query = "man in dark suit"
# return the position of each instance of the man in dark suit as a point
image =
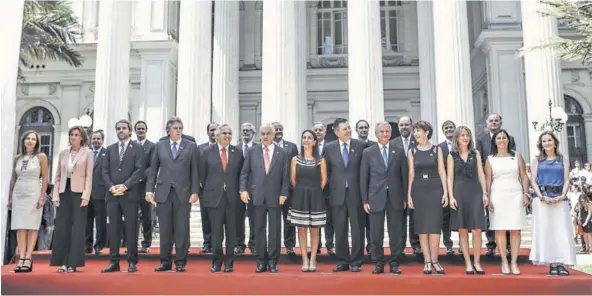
(184, 137)
(343, 159)
(483, 145)
(291, 150)
(174, 169)
(383, 185)
(206, 224)
(406, 141)
(145, 208)
(264, 181)
(320, 130)
(363, 130)
(219, 170)
(122, 171)
(97, 214)
(247, 133)
(448, 128)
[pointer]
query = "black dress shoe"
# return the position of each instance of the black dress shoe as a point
(239, 249)
(111, 268)
(229, 269)
(98, 251)
(132, 267)
(144, 250)
(449, 252)
(490, 253)
(273, 268)
(417, 251)
(206, 249)
(216, 269)
(395, 269)
(356, 269)
(180, 267)
(341, 267)
(261, 268)
(88, 250)
(253, 250)
(163, 267)
(378, 269)
(331, 251)
(290, 251)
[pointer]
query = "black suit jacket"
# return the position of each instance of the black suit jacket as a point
(240, 146)
(98, 185)
(398, 141)
(128, 171)
(265, 189)
(200, 149)
(445, 152)
(183, 136)
(215, 180)
(291, 151)
(375, 178)
(339, 174)
(483, 145)
(148, 150)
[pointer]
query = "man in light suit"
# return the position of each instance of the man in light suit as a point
(383, 185)
(97, 213)
(406, 141)
(291, 150)
(122, 171)
(448, 128)
(264, 181)
(219, 170)
(206, 223)
(145, 208)
(174, 174)
(343, 159)
(321, 130)
(363, 130)
(247, 132)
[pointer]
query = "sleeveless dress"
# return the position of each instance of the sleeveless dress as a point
(26, 194)
(582, 216)
(307, 207)
(552, 229)
(506, 195)
(426, 192)
(470, 211)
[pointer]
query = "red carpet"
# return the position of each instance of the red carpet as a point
(198, 280)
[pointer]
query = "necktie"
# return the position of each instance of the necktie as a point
(384, 156)
(245, 147)
(224, 161)
(345, 154)
(266, 160)
(121, 151)
(174, 150)
(406, 145)
(95, 157)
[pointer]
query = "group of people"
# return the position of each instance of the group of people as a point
(473, 185)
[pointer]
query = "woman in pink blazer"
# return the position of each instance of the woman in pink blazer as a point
(71, 194)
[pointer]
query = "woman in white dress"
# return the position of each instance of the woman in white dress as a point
(27, 197)
(508, 185)
(552, 234)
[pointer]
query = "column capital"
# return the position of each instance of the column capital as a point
(491, 39)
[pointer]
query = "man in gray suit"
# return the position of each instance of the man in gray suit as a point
(145, 208)
(206, 223)
(264, 181)
(247, 132)
(343, 159)
(320, 130)
(219, 170)
(175, 170)
(122, 171)
(383, 184)
(97, 213)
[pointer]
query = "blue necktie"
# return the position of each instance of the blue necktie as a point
(95, 157)
(174, 149)
(345, 154)
(384, 156)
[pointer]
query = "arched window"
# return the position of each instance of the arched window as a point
(394, 130)
(576, 134)
(42, 121)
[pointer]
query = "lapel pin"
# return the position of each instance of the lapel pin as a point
(352, 150)
(131, 145)
(393, 152)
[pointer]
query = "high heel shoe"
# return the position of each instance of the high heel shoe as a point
(19, 266)
(305, 266)
(312, 266)
(26, 268)
(478, 270)
(515, 270)
(505, 269)
(438, 268)
(427, 268)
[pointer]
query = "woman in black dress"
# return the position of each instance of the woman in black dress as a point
(468, 195)
(427, 193)
(308, 175)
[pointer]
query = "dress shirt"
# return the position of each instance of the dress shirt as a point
(341, 146)
(220, 151)
(271, 149)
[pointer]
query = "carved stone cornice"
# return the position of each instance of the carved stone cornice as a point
(341, 61)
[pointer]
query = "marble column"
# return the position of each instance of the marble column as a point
(225, 103)
(11, 19)
(427, 79)
(453, 64)
(194, 85)
(542, 70)
(365, 84)
(112, 71)
(284, 68)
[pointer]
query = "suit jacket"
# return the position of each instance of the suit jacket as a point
(200, 149)
(339, 174)
(98, 185)
(398, 141)
(215, 180)
(129, 171)
(240, 146)
(291, 151)
(183, 136)
(148, 150)
(82, 172)
(375, 178)
(483, 145)
(445, 152)
(180, 173)
(265, 189)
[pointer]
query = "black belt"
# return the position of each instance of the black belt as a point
(551, 189)
(425, 176)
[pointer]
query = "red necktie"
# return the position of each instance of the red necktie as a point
(224, 162)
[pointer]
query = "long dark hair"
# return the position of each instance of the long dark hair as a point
(37, 145)
(542, 154)
(494, 145)
(315, 147)
(457, 133)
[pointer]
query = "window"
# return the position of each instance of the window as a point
(332, 27)
(573, 135)
(40, 120)
(389, 25)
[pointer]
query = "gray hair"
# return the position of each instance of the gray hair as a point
(267, 127)
(317, 123)
(219, 129)
(381, 123)
(173, 120)
(249, 126)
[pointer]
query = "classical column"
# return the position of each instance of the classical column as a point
(453, 64)
(542, 69)
(427, 79)
(225, 103)
(365, 93)
(194, 71)
(283, 90)
(112, 71)
(11, 19)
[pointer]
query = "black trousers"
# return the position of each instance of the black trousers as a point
(206, 226)
(393, 220)
(242, 210)
(146, 222)
(69, 235)
(368, 232)
(289, 229)
(125, 207)
(173, 219)
(223, 218)
(349, 214)
(446, 232)
(413, 238)
(268, 248)
(96, 215)
(328, 229)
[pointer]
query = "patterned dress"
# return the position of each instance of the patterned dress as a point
(26, 194)
(307, 207)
